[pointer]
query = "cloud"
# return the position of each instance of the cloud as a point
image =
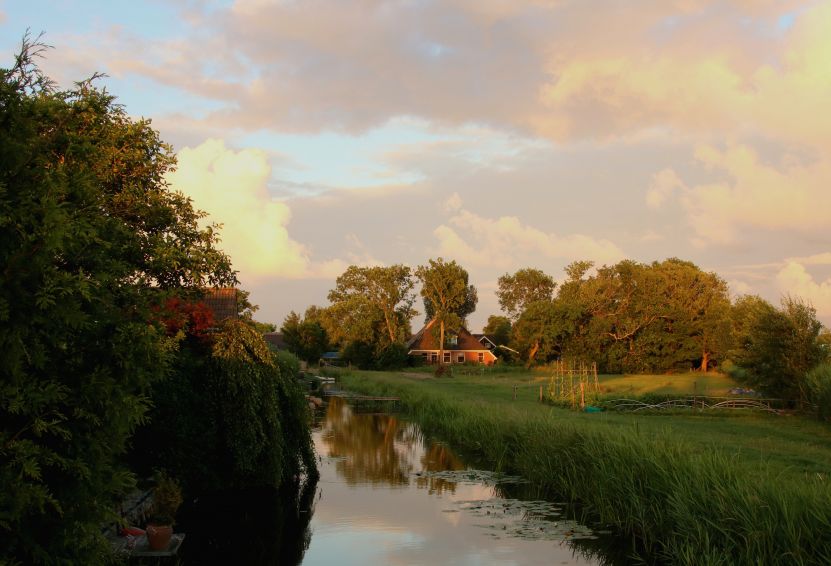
(231, 187)
(453, 203)
(794, 279)
(506, 243)
(739, 287)
(687, 65)
(664, 184)
(791, 198)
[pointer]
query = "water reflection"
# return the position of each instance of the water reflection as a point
(379, 448)
(390, 496)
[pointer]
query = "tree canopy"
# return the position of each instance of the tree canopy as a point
(447, 295)
(524, 287)
(102, 270)
(91, 242)
(388, 291)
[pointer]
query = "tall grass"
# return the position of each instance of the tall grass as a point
(683, 504)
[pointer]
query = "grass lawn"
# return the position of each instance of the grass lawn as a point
(708, 384)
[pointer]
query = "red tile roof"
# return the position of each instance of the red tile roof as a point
(222, 301)
(464, 340)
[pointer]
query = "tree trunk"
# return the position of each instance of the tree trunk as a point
(389, 327)
(534, 349)
(441, 343)
(705, 360)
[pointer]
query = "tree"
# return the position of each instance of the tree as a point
(778, 347)
(388, 289)
(498, 329)
(698, 312)
(464, 310)
(543, 328)
(524, 287)
(307, 339)
(445, 288)
(92, 241)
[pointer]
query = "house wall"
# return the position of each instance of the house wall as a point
(456, 356)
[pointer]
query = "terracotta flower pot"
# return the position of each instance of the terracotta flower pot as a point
(158, 536)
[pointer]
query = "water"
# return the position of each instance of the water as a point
(387, 495)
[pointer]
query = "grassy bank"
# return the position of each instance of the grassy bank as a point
(693, 489)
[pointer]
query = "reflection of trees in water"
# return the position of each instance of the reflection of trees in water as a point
(439, 458)
(375, 448)
(379, 448)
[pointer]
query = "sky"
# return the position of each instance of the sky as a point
(500, 133)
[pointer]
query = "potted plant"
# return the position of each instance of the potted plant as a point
(167, 496)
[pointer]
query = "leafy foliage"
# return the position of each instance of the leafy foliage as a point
(524, 287)
(91, 240)
(630, 316)
(778, 347)
(389, 290)
(498, 329)
(307, 339)
(230, 419)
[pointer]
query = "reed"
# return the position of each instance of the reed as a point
(683, 504)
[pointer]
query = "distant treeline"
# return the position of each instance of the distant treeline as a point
(628, 317)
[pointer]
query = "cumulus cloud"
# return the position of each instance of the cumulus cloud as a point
(453, 203)
(791, 198)
(664, 184)
(507, 243)
(795, 279)
(231, 187)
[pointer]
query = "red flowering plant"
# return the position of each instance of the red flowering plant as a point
(186, 318)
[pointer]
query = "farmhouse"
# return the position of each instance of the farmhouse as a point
(460, 347)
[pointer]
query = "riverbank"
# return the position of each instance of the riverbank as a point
(717, 489)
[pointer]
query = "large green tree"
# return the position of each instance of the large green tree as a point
(389, 290)
(445, 288)
(498, 328)
(91, 242)
(307, 339)
(526, 286)
(776, 348)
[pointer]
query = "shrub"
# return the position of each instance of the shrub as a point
(288, 363)
(393, 357)
(818, 384)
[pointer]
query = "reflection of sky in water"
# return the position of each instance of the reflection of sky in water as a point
(373, 509)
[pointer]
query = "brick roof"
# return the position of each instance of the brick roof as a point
(222, 301)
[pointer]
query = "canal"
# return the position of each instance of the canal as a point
(388, 495)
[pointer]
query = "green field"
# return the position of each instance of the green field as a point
(692, 487)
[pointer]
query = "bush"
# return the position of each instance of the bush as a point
(359, 354)
(393, 357)
(818, 385)
(288, 363)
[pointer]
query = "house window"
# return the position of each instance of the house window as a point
(447, 357)
(481, 357)
(424, 355)
(452, 340)
(460, 358)
(434, 358)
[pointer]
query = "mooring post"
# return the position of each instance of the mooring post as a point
(540, 393)
(514, 392)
